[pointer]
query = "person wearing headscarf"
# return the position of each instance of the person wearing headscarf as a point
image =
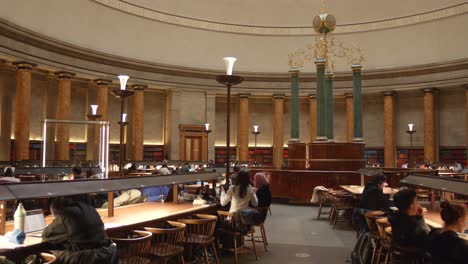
(263, 192)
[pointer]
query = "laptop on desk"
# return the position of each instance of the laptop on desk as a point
(34, 223)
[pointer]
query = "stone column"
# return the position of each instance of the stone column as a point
(321, 101)
(63, 113)
(466, 116)
(312, 117)
(172, 121)
(6, 87)
(23, 109)
(429, 126)
(349, 117)
(102, 97)
(243, 128)
(138, 121)
(211, 119)
(329, 97)
(357, 103)
(278, 130)
(294, 104)
(389, 130)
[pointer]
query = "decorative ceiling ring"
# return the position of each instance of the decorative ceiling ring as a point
(278, 30)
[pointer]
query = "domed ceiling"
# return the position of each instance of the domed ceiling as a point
(260, 33)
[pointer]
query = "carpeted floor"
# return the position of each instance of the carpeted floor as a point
(296, 236)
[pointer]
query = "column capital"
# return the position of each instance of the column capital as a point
(64, 74)
(429, 90)
(103, 82)
(320, 62)
(356, 67)
(312, 96)
(348, 95)
(294, 72)
(244, 96)
(329, 75)
(389, 93)
(139, 87)
(24, 65)
(278, 96)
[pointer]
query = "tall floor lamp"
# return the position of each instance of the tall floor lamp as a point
(410, 131)
(122, 93)
(256, 132)
(229, 80)
(207, 131)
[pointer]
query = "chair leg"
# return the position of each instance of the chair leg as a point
(206, 255)
(262, 231)
(379, 255)
(269, 210)
(386, 256)
(373, 252)
(254, 247)
(319, 211)
(335, 220)
(182, 259)
(215, 251)
(235, 249)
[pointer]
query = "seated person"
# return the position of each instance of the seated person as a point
(262, 187)
(240, 195)
(77, 232)
(185, 168)
(8, 176)
(164, 170)
(408, 227)
(76, 174)
(126, 197)
(153, 194)
(206, 193)
(444, 244)
(373, 197)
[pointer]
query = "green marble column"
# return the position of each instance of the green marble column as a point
(329, 93)
(357, 103)
(321, 101)
(294, 104)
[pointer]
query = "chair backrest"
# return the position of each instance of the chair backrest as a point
(48, 258)
(166, 239)
(343, 200)
(383, 223)
(227, 221)
(370, 219)
(200, 228)
(133, 246)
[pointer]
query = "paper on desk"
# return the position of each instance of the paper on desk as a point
(6, 244)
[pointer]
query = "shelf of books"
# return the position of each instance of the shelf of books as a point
(374, 155)
(77, 151)
(416, 153)
(221, 155)
(450, 155)
(153, 153)
(263, 156)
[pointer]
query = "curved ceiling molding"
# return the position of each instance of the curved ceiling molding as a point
(307, 30)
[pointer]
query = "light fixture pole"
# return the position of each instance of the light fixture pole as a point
(207, 131)
(228, 80)
(256, 132)
(410, 131)
(122, 93)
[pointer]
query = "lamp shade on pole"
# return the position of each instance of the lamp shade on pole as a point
(207, 127)
(123, 81)
(255, 128)
(410, 127)
(94, 109)
(124, 118)
(229, 61)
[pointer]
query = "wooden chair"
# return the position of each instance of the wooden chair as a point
(228, 227)
(371, 217)
(133, 247)
(199, 232)
(385, 239)
(341, 209)
(263, 211)
(326, 199)
(48, 258)
(166, 240)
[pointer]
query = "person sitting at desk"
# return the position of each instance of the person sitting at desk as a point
(76, 174)
(409, 229)
(373, 197)
(8, 176)
(164, 170)
(262, 187)
(444, 244)
(240, 195)
(153, 194)
(126, 197)
(77, 232)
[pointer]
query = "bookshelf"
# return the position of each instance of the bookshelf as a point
(285, 153)
(374, 155)
(77, 151)
(263, 155)
(153, 153)
(451, 155)
(221, 155)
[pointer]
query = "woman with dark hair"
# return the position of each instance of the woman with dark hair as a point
(263, 189)
(77, 233)
(444, 244)
(240, 195)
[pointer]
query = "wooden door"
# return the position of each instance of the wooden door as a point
(193, 148)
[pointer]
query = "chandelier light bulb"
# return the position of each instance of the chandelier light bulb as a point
(229, 61)
(94, 109)
(123, 81)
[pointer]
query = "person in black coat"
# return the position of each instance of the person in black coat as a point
(263, 190)
(443, 244)
(373, 197)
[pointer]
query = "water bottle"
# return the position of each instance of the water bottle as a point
(19, 217)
